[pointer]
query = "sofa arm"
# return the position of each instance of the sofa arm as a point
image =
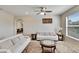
(5, 51)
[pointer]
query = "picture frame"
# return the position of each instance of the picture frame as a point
(46, 20)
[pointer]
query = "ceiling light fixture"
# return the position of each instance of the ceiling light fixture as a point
(42, 13)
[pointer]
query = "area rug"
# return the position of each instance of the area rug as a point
(34, 47)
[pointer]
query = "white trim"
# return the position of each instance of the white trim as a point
(73, 26)
(72, 37)
(66, 25)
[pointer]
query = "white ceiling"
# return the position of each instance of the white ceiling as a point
(22, 10)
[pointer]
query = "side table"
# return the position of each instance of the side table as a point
(34, 36)
(60, 37)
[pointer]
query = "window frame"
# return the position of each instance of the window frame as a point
(67, 30)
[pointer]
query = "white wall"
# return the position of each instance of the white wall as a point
(34, 24)
(30, 24)
(6, 24)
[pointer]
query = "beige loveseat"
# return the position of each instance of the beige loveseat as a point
(47, 35)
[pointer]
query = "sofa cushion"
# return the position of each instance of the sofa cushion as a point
(21, 45)
(6, 44)
(5, 51)
(22, 37)
(15, 40)
(47, 33)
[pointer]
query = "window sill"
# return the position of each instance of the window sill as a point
(72, 37)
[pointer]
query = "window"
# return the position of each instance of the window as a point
(72, 25)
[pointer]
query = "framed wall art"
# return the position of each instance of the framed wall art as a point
(46, 20)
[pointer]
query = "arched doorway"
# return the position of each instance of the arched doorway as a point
(19, 26)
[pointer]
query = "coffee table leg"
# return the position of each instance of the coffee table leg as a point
(42, 49)
(51, 50)
(54, 49)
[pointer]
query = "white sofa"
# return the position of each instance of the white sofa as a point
(47, 35)
(14, 44)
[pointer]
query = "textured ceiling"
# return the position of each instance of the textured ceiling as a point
(22, 10)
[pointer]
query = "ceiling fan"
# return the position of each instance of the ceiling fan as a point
(42, 11)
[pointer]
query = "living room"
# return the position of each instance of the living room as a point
(28, 21)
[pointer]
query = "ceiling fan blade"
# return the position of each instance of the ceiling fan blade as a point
(42, 10)
(38, 13)
(48, 11)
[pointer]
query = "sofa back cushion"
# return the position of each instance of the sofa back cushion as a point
(15, 40)
(47, 33)
(22, 37)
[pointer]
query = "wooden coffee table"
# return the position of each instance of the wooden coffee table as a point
(48, 44)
